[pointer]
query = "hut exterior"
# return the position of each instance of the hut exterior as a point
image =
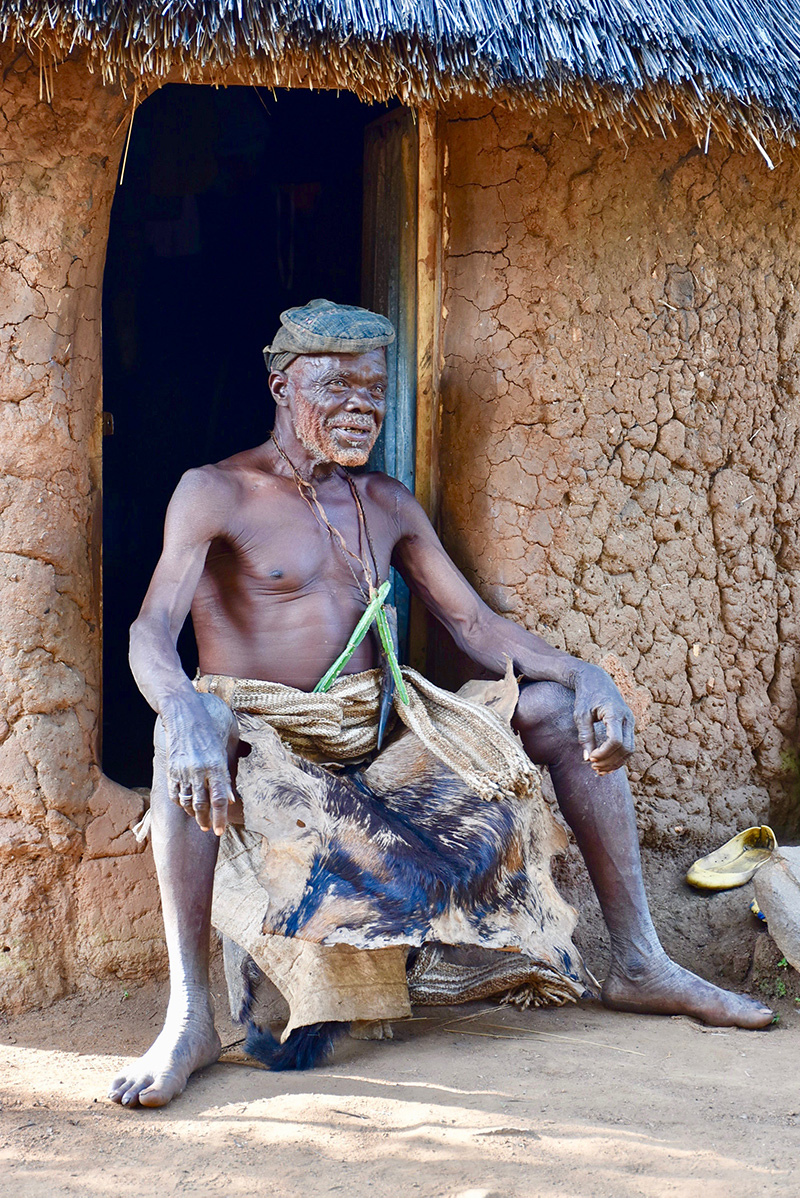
(606, 310)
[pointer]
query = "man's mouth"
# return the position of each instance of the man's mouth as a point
(355, 434)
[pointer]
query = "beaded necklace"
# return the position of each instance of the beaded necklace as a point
(374, 592)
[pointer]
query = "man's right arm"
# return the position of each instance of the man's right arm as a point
(197, 768)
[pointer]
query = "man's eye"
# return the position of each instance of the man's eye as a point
(380, 391)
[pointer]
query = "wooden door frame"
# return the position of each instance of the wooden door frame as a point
(430, 239)
(430, 220)
(404, 183)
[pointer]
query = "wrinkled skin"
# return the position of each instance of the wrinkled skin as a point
(271, 597)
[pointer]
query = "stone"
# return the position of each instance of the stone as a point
(777, 887)
(114, 810)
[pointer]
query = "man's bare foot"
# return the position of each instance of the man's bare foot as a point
(183, 1046)
(661, 987)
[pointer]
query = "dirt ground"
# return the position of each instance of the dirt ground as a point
(468, 1102)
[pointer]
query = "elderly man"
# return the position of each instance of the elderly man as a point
(278, 552)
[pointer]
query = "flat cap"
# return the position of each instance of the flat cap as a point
(322, 327)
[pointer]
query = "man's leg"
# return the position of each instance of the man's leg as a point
(600, 812)
(185, 857)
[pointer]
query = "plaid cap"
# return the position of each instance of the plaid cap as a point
(322, 327)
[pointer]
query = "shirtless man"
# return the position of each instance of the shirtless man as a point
(271, 598)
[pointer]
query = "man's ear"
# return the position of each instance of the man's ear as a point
(278, 382)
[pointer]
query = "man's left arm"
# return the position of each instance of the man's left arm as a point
(489, 639)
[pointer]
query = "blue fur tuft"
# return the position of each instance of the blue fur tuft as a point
(305, 1047)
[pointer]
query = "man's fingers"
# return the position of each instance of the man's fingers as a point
(180, 790)
(221, 798)
(617, 747)
(612, 753)
(608, 764)
(613, 743)
(184, 796)
(201, 807)
(584, 722)
(610, 768)
(203, 791)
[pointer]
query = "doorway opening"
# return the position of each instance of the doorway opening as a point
(235, 204)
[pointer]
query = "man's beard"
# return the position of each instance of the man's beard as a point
(317, 436)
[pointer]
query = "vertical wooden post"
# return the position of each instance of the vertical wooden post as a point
(389, 275)
(389, 285)
(430, 217)
(429, 306)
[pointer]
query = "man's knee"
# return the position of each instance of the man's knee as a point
(546, 705)
(222, 718)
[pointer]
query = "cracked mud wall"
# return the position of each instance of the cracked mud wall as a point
(76, 891)
(619, 465)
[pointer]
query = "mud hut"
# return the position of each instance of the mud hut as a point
(584, 220)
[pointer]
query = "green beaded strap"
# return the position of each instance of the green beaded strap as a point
(391, 656)
(372, 613)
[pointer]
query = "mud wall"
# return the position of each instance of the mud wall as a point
(619, 464)
(77, 899)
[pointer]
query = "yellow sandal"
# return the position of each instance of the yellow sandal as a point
(735, 862)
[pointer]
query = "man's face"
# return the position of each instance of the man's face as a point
(337, 403)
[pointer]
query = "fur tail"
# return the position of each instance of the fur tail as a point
(304, 1048)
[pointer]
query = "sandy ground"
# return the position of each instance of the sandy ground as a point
(474, 1102)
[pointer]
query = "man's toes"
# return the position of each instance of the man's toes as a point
(754, 1015)
(132, 1094)
(724, 1008)
(159, 1094)
(126, 1091)
(120, 1087)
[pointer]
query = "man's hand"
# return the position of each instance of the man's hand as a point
(198, 777)
(597, 700)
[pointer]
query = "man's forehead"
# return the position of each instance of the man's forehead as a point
(372, 363)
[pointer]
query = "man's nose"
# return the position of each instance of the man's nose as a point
(361, 400)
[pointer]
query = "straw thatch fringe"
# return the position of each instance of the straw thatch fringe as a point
(729, 66)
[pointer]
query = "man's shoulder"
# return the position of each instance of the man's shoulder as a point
(382, 488)
(223, 478)
(206, 493)
(392, 495)
(213, 479)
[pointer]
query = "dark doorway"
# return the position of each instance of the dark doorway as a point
(235, 204)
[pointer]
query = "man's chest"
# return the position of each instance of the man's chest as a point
(284, 544)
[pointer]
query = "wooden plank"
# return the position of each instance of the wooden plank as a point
(429, 308)
(430, 209)
(389, 286)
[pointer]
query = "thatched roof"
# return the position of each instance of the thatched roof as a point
(731, 65)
